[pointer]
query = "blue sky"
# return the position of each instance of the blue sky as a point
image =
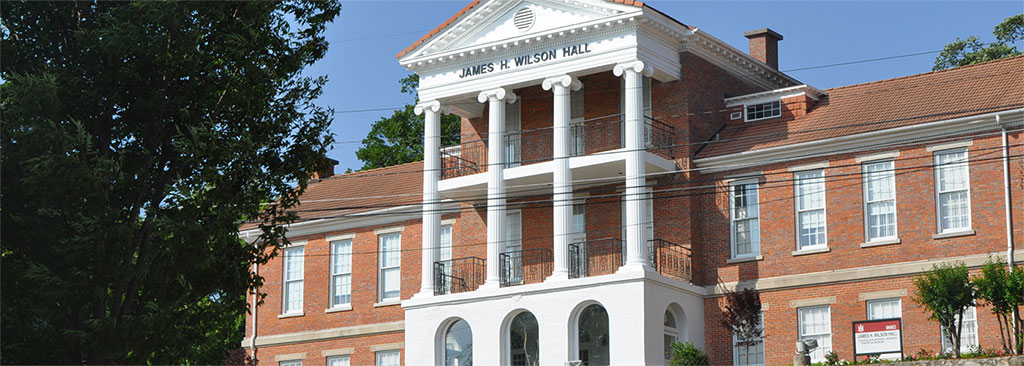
(364, 73)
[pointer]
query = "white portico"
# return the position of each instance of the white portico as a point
(475, 63)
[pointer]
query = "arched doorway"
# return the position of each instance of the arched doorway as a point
(523, 337)
(458, 344)
(592, 336)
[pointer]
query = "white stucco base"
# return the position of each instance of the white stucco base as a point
(635, 301)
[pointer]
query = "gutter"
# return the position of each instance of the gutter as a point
(1006, 203)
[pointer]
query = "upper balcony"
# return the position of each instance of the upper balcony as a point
(597, 157)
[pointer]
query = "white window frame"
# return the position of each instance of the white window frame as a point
(336, 274)
(445, 253)
(285, 281)
(800, 181)
(381, 269)
(345, 360)
(755, 243)
(891, 176)
(972, 341)
(577, 127)
(290, 363)
(776, 110)
(671, 332)
(939, 193)
(378, 354)
(736, 348)
(513, 127)
(818, 355)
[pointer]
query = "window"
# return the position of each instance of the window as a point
(810, 209)
(592, 336)
(764, 110)
(816, 324)
(879, 200)
(524, 348)
(290, 363)
(579, 221)
(446, 255)
(968, 333)
(885, 309)
(671, 333)
(953, 190)
(390, 266)
(341, 273)
(746, 241)
(338, 361)
(755, 355)
(389, 358)
(513, 135)
(577, 130)
(458, 344)
(514, 246)
(293, 280)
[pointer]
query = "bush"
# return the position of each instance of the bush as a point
(946, 292)
(687, 355)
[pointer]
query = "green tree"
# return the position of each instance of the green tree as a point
(742, 317)
(136, 138)
(972, 50)
(399, 139)
(1004, 291)
(946, 292)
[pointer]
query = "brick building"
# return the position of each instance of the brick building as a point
(617, 171)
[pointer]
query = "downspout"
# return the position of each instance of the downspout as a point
(1009, 216)
(255, 311)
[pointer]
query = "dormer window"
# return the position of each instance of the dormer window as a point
(763, 111)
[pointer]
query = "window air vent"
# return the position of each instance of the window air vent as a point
(523, 19)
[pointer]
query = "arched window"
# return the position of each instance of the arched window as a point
(593, 336)
(524, 348)
(671, 333)
(458, 344)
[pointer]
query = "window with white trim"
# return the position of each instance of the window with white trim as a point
(743, 212)
(671, 333)
(338, 360)
(885, 309)
(513, 139)
(764, 110)
(389, 358)
(341, 273)
(446, 254)
(815, 322)
(968, 332)
(290, 363)
(879, 200)
(293, 270)
(952, 188)
(810, 209)
(390, 266)
(577, 129)
(756, 350)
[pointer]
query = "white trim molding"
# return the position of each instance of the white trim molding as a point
(347, 236)
(826, 300)
(886, 294)
(877, 156)
(337, 352)
(773, 95)
(327, 334)
(389, 230)
(387, 347)
(949, 145)
(290, 356)
(811, 166)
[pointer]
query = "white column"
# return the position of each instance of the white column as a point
(431, 199)
(496, 99)
(562, 180)
(636, 236)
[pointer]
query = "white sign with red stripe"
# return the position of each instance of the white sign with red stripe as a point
(877, 336)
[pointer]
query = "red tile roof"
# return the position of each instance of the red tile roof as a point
(471, 5)
(361, 192)
(848, 110)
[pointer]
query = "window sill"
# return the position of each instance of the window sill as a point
(953, 234)
(339, 309)
(811, 251)
(881, 242)
(744, 259)
(391, 302)
(290, 315)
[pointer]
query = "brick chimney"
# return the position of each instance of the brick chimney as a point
(764, 46)
(325, 170)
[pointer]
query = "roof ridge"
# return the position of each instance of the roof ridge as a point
(381, 169)
(959, 68)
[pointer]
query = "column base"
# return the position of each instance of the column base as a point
(635, 267)
(492, 284)
(558, 276)
(424, 293)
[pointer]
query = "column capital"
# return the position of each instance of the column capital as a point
(636, 66)
(566, 81)
(431, 106)
(497, 94)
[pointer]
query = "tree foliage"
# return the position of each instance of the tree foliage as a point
(399, 139)
(1004, 292)
(136, 138)
(946, 292)
(972, 50)
(686, 354)
(742, 317)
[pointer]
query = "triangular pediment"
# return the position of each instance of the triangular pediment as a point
(493, 21)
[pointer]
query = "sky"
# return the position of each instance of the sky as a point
(363, 71)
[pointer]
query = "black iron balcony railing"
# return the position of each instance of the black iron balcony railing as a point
(596, 257)
(524, 266)
(671, 259)
(535, 145)
(458, 275)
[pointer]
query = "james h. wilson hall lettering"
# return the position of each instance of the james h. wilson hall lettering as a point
(525, 60)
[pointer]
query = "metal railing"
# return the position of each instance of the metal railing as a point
(458, 275)
(671, 259)
(596, 257)
(464, 159)
(525, 266)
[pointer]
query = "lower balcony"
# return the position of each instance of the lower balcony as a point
(605, 256)
(459, 275)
